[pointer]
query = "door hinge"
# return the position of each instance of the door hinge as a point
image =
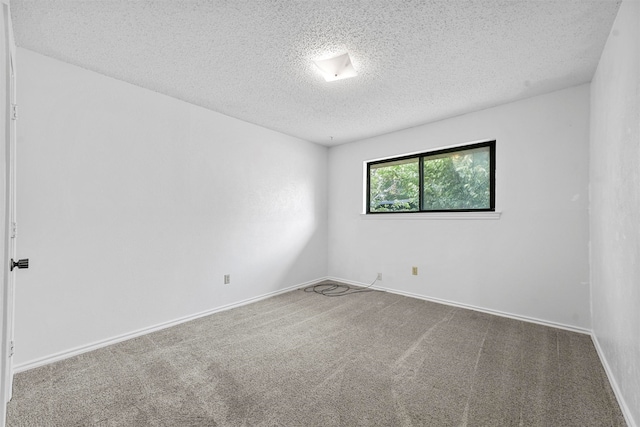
(11, 349)
(14, 111)
(14, 230)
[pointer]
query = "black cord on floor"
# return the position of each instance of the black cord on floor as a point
(337, 289)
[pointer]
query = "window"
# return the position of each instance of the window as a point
(459, 179)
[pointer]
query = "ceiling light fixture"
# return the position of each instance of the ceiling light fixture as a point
(336, 68)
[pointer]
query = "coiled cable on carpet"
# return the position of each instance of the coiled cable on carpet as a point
(337, 289)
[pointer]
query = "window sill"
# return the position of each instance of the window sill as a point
(434, 215)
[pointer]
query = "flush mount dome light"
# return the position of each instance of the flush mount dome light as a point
(336, 68)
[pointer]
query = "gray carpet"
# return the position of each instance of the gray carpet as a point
(302, 359)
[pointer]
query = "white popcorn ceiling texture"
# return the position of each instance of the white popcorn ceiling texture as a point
(418, 61)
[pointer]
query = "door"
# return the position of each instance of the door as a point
(7, 172)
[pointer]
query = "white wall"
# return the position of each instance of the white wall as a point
(133, 206)
(615, 205)
(532, 262)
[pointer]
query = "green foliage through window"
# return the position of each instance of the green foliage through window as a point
(459, 179)
(395, 186)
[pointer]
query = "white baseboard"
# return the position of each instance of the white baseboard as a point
(614, 384)
(99, 344)
(470, 307)
(103, 343)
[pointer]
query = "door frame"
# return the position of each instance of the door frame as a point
(7, 215)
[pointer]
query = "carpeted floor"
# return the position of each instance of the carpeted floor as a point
(302, 359)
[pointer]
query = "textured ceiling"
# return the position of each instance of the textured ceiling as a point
(417, 61)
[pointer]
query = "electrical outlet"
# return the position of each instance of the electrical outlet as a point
(414, 271)
(379, 276)
(227, 279)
